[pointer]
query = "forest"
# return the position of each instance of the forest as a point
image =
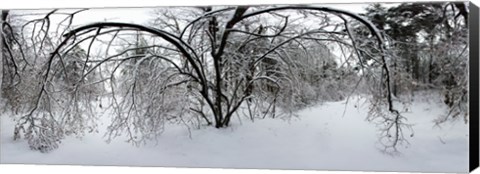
(216, 66)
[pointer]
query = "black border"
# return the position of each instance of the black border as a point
(474, 88)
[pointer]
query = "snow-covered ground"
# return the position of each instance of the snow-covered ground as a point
(320, 138)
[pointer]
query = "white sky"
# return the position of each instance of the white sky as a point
(141, 15)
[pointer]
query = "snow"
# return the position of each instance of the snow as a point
(319, 138)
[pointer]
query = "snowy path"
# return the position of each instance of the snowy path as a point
(319, 139)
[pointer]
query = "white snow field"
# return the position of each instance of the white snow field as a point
(320, 138)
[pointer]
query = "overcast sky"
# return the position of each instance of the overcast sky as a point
(141, 15)
(144, 15)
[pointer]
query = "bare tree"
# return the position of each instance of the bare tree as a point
(201, 70)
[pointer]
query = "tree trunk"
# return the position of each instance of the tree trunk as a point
(2, 55)
(7, 65)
